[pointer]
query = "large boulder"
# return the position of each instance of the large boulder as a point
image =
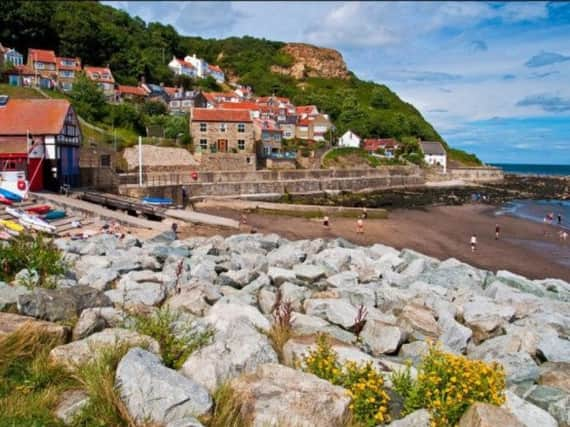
(305, 325)
(222, 315)
(153, 392)
(454, 334)
(527, 413)
(99, 278)
(237, 278)
(420, 418)
(552, 347)
(10, 323)
(131, 293)
(553, 400)
(486, 318)
(279, 276)
(309, 273)
(277, 395)
(555, 374)
(486, 415)
(79, 352)
(381, 338)
(519, 367)
(9, 295)
(96, 319)
(239, 349)
(419, 322)
(61, 304)
(337, 311)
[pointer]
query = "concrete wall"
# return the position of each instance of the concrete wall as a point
(280, 164)
(228, 161)
(487, 174)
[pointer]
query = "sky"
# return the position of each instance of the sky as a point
(492, 77)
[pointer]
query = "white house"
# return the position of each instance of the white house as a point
(217, 73)
(434, 154)
(182, 68)
(199, 64)
(349, 139)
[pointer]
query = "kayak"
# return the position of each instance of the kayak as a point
(11, 225)
(5, 201)
(157, 201)
(53, 215)
(10, 196)
(40, 209)
(5, 236)
(36, 223)
(16, 213)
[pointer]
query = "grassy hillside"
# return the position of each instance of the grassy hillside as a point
(103, 35)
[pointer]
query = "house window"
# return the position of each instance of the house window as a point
(203, 144)
(223, 127)
(203, 127)
(96, 76)
(40, 65)
(241, 127)
(106, 160)
(241, 144)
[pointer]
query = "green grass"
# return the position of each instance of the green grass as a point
(19, 92)
(351, 157)
(34, 253)
(177, 339)
(466, 159)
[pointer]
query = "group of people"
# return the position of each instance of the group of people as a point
(549, 220)
(359, 222)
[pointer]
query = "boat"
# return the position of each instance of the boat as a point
(5, 235)
(16, 213)
(10, 195)
(40, 209)
(11, 225)
(157, 201)
(53, 215)
(36, 223)
(5, 201)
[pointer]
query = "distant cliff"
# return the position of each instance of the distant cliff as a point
(312, 61)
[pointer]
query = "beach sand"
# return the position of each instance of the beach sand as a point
(441, 232)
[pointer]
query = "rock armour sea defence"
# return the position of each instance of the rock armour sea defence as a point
(232, 286)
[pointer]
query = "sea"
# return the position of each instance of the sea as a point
(537, 210)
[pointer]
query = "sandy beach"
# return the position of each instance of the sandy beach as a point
(441, 232)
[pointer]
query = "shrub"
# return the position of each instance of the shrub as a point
(34, 253)
(281, 328)
(30, 386)
(363, 383)
(176, 342)
(448, 384)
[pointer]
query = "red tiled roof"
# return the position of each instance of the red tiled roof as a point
(373, 144)
(184, 63)
(170, 90)
(215, 68)
(267, 125)
(306, 109)
(41, 55)
(220, 115)
(265, 99)
(240, 106)
(90, 70)
(305, 122)
(22, 70)
(39, 116)
(75, 67)
(131, 90)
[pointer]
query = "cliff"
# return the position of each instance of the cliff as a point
(312, 61)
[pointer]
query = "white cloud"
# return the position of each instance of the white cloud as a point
(524, 11)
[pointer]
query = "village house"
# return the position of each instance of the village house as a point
(67, 69)
(306, 110)
(40, 141)
(215, 99)
(21, 75)
(183, 101)
(103, 77)
(217, 73)
(156, 92)
(387, 145)
(434, 154)
(222, 131)
(182, 68)
(44, 65)
(268, 137)
(130, 93)
(288, 126)
(9, 56)
(349, 139)
(313, 128)
(252, 107)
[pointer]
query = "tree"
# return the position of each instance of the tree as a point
(154, 108)
(88, 99)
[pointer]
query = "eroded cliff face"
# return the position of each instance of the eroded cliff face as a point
(313, 61)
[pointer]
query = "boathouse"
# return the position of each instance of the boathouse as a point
(40, 137)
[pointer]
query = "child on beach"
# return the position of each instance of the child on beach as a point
(364, 213)
(473, 242)
(326, 222)
(360, 226)
(497, 231)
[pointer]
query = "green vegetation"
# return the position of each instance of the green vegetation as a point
(100, 34)
(466, 159)
(228, 409)
(36, 253)
(448, 384)
(354, 157)
(177, 339)
(29, 385)
(364, 384)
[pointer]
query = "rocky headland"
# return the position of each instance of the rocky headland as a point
(375, 303)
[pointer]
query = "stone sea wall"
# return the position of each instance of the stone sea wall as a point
(232, 285)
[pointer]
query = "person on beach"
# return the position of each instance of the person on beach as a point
(175, 230)
(184, 198)
(559, 217)
(364, 213)
(326, 222)
(497, 231)
(473, 242)
(243, 219)
(360, 226)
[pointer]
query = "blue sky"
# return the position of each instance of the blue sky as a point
(492, 77)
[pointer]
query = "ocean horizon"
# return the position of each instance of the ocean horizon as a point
(533, 169)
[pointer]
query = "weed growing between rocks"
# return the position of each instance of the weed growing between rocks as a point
(30, 385)
(177, 340)
(228, 411)
(282, 326)
(97, 379)
(35, 253)
(448, 384)
(363, 383)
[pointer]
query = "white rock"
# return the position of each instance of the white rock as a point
(337, 311)
(222, 315)
(527, 413)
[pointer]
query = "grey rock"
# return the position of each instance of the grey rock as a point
(343, 280)
(223, 315)
(88, 263)
(419, 322)
(454, 335)
(99, 278)
(552, 347)
(134, 293)
(266, 299)
(27, 278)
(238, 279)
(279, 276)
(89, 322)
(485, 317)
(237, 350)
(527, 413)
(153, 392)
(286, 256)
(337, 311)
(304, 324)
(358, 295)
(9, 295)
(381, 338)
(294, 294)
(420, 418)
(334, 260)
(553, 400)
(191, 300)
(70, 404)
(519, 367)
(185, 422)
(414, 351)
(60, 304)
(309, 273)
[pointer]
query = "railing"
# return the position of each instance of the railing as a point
(288, 155)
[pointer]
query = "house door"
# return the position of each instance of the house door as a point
(222, 145)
